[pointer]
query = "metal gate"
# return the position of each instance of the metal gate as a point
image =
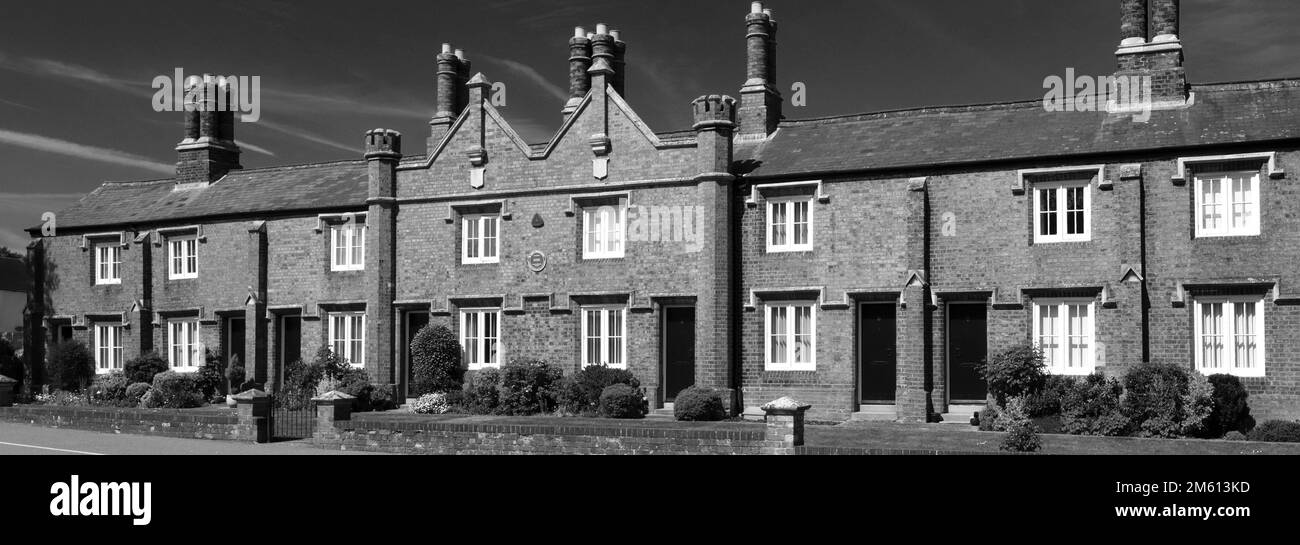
(292, 418)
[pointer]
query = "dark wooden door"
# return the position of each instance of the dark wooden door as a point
(679, 351)
(877, 353)
(235, 341)
(967, 347)
(415, 321)
(290, 342)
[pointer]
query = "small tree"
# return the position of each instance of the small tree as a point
(70, 366)
(234, 374)
(144, 367)
(436, 361)
(1014, 373)
(10, 365)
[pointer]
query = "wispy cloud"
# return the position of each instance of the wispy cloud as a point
(531, 75)
(19, 211)
(16, 104)
(57, 69)
(80, 151)
(255, 149)
(306, 102)
(310, 137)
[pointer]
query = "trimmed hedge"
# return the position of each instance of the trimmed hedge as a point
(436, 361)
(143, 367)
(178, 390)
(530, 387)
(623, 402)
(70, 366)
(1014, 373)
(582, 391)
(1277, 431)
(697, 404)
(1231, 409)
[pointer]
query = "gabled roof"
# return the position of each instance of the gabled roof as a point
(1228, 113)
(306, 188)
(13, 274)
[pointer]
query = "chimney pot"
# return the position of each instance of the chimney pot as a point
(579, 32)
(756, 7)
(602, 28)
(616, 34)
(460, 54)
(446, 48)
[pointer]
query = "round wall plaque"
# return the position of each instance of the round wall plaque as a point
(537, 261)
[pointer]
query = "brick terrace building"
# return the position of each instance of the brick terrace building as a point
(862, 263)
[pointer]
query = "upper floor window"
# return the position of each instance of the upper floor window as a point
(603, 336)
(108, 348)
(183, 258)
(789, 224)
(1062, 211)
(185, 351)
(1230, 336)
(108, 264)
(480, 337)
(603, 231)
(790, 333)
(348, 247)
(479, 239)
(1227, 205)
(1063, 330)
(347, 335)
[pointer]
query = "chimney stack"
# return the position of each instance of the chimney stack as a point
(579, 63)
(620, 64)
(1160, 58)
(604, 47)
(760, 101)
(450, 94)
(208, 150)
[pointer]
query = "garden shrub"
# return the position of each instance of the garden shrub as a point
(1092, 407)
(178, 390)
(211, 378)
(622, 401)
(1235, 436)
(431, 404)
(988, 416)
(1231, 410)
(697, 404)
(1022, 437)
(384, 398)
(582, 391)
(482, 394)
(530, 387)
(10, 364)
(436, 361)
(142, 368)
(1013, 373)
(1165, 400)
(151, 399)
(455, 401)
(235, 374)
(70, 366)
(1277, 431)
(108, 389)
(62, 398)
(135, 392)
(1046, 401)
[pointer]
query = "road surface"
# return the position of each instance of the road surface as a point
(23, 439)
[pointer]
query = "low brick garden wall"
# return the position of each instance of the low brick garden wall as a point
(479, 435)
(217, 424)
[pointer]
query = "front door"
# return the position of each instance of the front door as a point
(679, 351)
(877, 353)
(413, 323)
(235, 341)
(290, 340)
(967, 346)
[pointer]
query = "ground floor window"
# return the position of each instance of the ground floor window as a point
(480, 337)
(1064, 331)
(186, 352)
(790, 330)
(347, 336)
(108, 348)
(603, 336)
(1230, 336)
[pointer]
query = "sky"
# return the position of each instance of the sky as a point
(76, 97)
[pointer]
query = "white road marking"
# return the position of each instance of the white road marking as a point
(52, 448)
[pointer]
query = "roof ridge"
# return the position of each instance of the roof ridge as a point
(919, 109)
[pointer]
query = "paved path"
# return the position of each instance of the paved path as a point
(41, 441)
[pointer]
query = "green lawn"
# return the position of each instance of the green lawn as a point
(951, 438)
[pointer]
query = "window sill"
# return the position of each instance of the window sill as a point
(1239, 374)
(1230, 235)
(183, 369)
(603, 257)
(347, 270)
(493, 262)
(105, 283)
(808, 369)
(170, 278)
(772, 250)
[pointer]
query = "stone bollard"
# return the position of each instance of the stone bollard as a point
(8, 389)
(332, 407)
(784, 425)
(255, 415)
